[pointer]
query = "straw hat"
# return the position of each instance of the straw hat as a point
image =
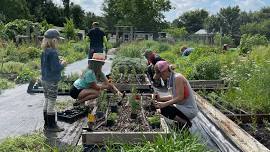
(100, 57)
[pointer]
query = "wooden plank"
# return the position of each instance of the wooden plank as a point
(238, 136)
(100, 138)
(248, 118)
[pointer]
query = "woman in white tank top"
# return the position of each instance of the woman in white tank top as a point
(180, 105)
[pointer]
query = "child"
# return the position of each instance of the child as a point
(88, 85)
(51, 68)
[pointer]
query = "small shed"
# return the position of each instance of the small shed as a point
(203, 36)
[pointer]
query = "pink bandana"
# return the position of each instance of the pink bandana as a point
(162, 65)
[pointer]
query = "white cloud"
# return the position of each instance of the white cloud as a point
(181, 6)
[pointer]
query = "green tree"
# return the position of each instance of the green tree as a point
(53, 14)
(143, 14)
(212, 23)
(262, 28)
(66, 4)
(69, 29)
(35, 9)
(14, 9)
(193, 20)
(229, 20)
(177, 33)
(77, 15)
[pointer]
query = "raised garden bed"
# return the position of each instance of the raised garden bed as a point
(73, 114)
(122, 126)
(256, 124)
(138, 81)
(207, 84)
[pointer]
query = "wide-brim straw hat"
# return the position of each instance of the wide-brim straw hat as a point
(99, 57)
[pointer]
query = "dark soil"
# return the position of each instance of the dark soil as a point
(260, 132)
(124, 123)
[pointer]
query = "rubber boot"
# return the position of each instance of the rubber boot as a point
(52, 125)
(45, 116)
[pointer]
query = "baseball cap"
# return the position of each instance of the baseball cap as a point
(52, 33)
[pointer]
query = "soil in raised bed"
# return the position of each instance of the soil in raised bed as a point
(261, 132)
(125, 124)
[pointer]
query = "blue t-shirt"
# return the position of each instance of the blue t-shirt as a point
(87, 78)
(50, 65)
(187, 51)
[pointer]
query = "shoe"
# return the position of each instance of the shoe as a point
(52, 125)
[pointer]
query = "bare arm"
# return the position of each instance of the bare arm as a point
(179, 95)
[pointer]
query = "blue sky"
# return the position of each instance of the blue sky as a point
(181, 6)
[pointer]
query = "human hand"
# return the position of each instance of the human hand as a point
(157, 97)
(63, 62)
(160, 105)
(119, 94)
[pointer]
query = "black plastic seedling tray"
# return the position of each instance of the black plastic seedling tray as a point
(72, 115)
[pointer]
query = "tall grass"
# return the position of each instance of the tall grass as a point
(180, 142)
(36, 142)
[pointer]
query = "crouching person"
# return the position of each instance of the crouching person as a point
(180, 105)
(87, 87)
(51, 68)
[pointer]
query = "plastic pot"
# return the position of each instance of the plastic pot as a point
(133, 115)
(100, 114)
(109, 123)
(114, 108)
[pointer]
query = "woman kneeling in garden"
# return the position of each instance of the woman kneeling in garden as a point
(87, 87)
(180, 105)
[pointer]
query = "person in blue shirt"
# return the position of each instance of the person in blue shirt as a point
(186, 51)
(51, 67)
(87, 87)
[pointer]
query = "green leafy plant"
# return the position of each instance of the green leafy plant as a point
(112, 116)
(25, 76)
(69, 29)
(102, 101)
(249, 41)
(154, 120)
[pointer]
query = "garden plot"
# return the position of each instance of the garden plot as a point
(256, 124)
(125, 82)
(127, 119)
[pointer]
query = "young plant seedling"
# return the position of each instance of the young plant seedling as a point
(154, 121)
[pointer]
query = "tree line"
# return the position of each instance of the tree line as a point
(145, 15)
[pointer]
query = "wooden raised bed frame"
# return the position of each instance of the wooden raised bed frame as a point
(101, 137)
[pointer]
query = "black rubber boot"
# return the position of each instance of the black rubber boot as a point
(45, 116)
(52, 125)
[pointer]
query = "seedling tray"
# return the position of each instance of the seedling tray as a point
(72, 115)
(36, 87)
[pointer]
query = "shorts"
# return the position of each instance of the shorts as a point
(171, 112)
(74, 92)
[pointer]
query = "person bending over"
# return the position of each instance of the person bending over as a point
(92, 81)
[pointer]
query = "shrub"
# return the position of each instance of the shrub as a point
(12, 67)
(248, 41)
(5, 84)
(17, 27)
(226, 39)
(177, 33)
(207, 68)
(69, 29)
(25, 76)
(169, 56)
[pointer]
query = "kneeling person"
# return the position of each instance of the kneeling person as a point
(180, 105)
(87, 87)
